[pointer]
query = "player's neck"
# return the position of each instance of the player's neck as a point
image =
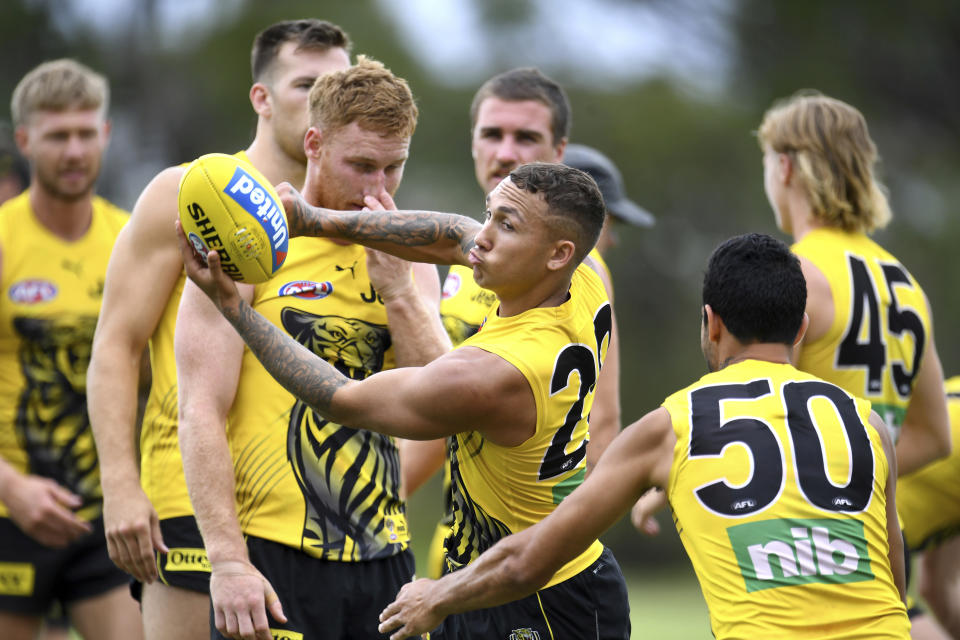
(551, 292)
(763, 351)
(274, 164)
(67, 219)
(802, 219)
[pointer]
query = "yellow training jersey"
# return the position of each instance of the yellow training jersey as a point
(161, 466)
(52, 289)
(880, 325)
(329, 490)
(928, 500)
(777, 489)
(501, 490)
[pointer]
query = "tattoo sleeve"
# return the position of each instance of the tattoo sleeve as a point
(301, 372)
(421, 236)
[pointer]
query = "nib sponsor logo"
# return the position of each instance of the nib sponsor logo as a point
(783, 553)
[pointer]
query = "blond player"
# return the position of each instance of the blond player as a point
(55, 240)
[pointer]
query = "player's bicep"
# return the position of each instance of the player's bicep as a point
(144, 265)
(398, 402)
(464, 390)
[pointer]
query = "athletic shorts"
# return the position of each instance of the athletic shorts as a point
(591, 605)
(34, 576)
(186, 566)
(326, 599)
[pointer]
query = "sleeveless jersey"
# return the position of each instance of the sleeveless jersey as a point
(463, 308)
(161, 466)
(501, 490)
(52, 289)
(928, 500)
(329, 490)
(880, 324)
(777, 489)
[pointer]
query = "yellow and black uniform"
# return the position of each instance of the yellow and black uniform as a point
(881, 322)
(51, 294)
(778, 492)
(928, 500)
(309, 489)
(161, 466)
(463, 309)
(500, 490)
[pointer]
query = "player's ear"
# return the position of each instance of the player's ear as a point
(559, 149)
(22, 137)
(562, 255)
(803, 329)
(260, 99)
(714, 323)
(312, 141)
(784, 167)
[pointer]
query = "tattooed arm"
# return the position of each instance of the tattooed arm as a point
(464, 390)
(418, 236)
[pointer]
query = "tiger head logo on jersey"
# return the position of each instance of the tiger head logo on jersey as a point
(349, 507)
(347, 341)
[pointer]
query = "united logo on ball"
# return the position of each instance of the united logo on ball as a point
(227, 206)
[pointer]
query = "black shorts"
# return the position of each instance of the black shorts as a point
(325, 599)
(591, 604)
(186, 566)
(34, 576)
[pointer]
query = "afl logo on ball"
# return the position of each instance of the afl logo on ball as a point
(451, 285)
(198, 245)
(33, 291)
(307, 289)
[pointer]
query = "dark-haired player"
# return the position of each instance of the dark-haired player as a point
(515, 396)
(782, 485)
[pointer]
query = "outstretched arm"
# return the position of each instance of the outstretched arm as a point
(521, 563)
(419, 236)
(465, 390)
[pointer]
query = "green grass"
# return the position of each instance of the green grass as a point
(666, 604)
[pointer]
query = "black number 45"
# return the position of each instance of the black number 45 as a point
(871, 354)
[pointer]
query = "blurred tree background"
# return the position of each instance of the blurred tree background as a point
(672, 90)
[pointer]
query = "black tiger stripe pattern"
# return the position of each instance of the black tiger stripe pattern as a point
(474, 531)
(51, 420)
(350, 478)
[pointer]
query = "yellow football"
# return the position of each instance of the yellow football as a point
(227, 206)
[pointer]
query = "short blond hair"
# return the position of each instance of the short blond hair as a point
(834, 158)
(366, 93)
(59, 85)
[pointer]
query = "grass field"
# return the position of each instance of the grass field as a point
(667, 605)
